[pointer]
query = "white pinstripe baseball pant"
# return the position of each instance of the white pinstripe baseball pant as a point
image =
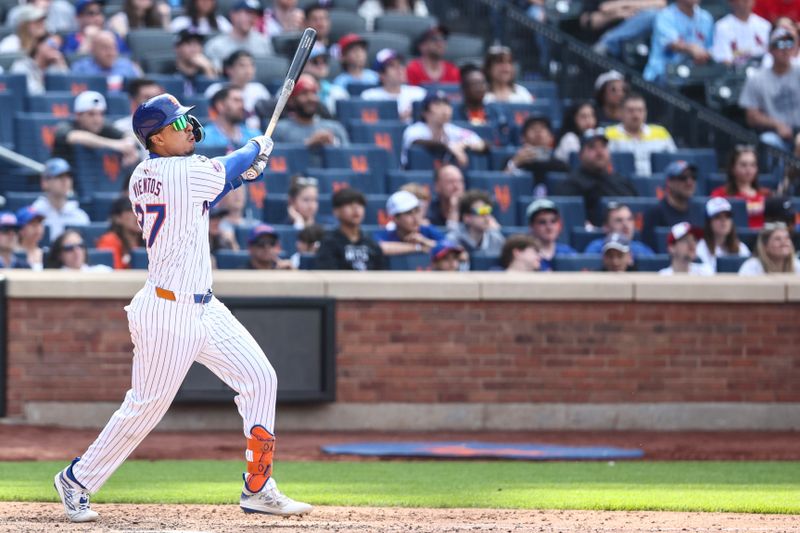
(168, 336)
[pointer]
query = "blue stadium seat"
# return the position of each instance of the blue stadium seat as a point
(359, 158)
(503, 188)
(555, 180)
(34, 134)
(98, 170)
(91, 232)
(697, 211)
(100, 206)
(173, 84)
(232, 259)
(661, 234)
(201, 105)
(118, 104)
(56, 103)
(507, 231)
(277, 182)
(357, 87)
(388, 134)
(730, 263)
(578, 263)
(375, 212)
(333, 179)
(75, 83)
(100, 257)
(7, 103)
(517, 114)
(397, 178)
(499, 156)
(420, 158)
(541, 89)
(479, 261)
(581, 237)
(366, 111)
(749, 237)
(415, 261)
(17, 200)
(291, 158)
(308, 261)
(653, 263)
(20, 180)
(704, 158)
(649, 186)
(17, 85)
(638, 205)
(139, 259)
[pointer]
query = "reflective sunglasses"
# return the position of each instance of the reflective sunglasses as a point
(72, 247)
(180, 123)
(482, 210)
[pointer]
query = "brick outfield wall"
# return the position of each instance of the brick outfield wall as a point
(394, 351)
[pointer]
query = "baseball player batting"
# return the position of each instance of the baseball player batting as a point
(175, 319)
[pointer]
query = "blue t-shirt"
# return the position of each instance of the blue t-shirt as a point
(546, 265)
(213, 136)
(429, 232)
(122, 67)
(671, 25)
(638, 248)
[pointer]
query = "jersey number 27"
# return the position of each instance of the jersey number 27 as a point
(159, 210)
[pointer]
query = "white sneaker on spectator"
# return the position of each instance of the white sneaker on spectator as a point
(74, 497)
(270, 500)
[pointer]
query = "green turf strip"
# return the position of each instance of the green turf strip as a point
(757, 487)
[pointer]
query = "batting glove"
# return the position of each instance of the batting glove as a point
(264, 143)
(257, 168)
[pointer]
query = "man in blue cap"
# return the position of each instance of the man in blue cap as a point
(679, 187)
(30, 232)
(265, 248)
(55, 205)
(8, 240)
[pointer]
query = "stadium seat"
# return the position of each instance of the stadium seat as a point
(555, 180)
(730, 263)
(517, 114)
(397, 178)
(201, 106)
(91, 232)
(17, 200)
(365, 111)
(503, 188)
(307, 261)
(359, 159)
(410, 25)
(378, 40)
(487, 132)
(270, 69)
(697, 211)
(7, 103)
(386, 134)
(145, 41)
(479, 261)
(748, 236)
(75, 83)
(232, 259)
(100, 205)
(355, 88)
(333, 179)
(722, 94)
(56, 103)
(420, 158)
(704, 158)
(160, 64)
(173, 84)
(100, 257)
(638, 205)
(653, 263)
(507, 231)
(541, 89)
(415, 261)
(578, 263)
(276, 182)
(499, 156)
(20, 179)
(98, 170)
(375, 212)
(623, 162)
(291, 158)
(344, 21)
(649, 186)
(118, 104)
(34, 134)
(139, 258)
(682, 75)
(463, 45)
(286, 43)
(581, 237)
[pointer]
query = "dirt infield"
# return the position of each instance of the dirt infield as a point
(41, 518)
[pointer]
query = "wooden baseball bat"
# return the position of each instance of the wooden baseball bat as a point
(295, 69)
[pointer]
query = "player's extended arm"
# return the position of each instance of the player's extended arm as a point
(236, 163)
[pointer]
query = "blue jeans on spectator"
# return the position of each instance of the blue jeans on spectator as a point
(773, 139)
(639, 25)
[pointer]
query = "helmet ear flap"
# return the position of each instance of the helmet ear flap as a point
(197, 128)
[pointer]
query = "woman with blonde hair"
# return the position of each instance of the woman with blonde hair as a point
(30, 27)
(774, 253)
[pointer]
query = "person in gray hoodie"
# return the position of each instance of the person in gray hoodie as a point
(478, 231)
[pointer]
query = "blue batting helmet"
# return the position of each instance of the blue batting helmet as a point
(156, 113)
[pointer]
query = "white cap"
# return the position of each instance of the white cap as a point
(605, 77)
(89, 101)
(401, 202)
(717, 205)
(29, 13)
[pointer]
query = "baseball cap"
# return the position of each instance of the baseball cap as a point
(305, 84)
(28, 214)
(779, 208)
(433, 96)
(681, 230)
(89, 101)
(401, 202)
(616, 241)
(55, 167)
(81, 5)
(676, 168)
(539, 205)
(781, 38)
(258, 231)
(8, 219)
(349, 40)
(384, 57)
(592, 134)
(186, 35)
(605, 77)
(717, 205)
(29, 13)
(443, 248)
(251, 5)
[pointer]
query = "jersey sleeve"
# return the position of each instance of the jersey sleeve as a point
(206, 178)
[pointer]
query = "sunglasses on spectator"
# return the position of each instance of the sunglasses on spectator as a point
(72, 247)
(265, 243)
(482, 210)
(305, 181)
(772, 226)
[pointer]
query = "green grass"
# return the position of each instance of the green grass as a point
(752, 487)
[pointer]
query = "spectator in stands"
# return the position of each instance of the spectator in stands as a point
(448, 184)
(347, 247)
(437, 132)
(29, 29)
(447, 256)
(318, 18)
(431, 67)
(43, 58)
(634, 135)
(616, 252)
(8, 242)
(91, 20)
(545, 225)
(353, 58)
(124, 235)
(577, 119)
(719, 234)
(60, 15)
(536, 153)
(775, 9)
(423, 194)
(390, 66)
(775, 253)
(302, 209)
(237, 214)
(220, 238)
(105, 59)
(742, 170)
(90, 130)
(369, 10)
(30, 234)
(610, 89)
(190, 62)
(477, 230)
(593, 178)
(473, 92)
(240, 70)
(136, 14)
(318, 67)
(682, 248)
(682, 33)
(265, 248)
(139, 91)
(619, 220)
(498, 66)
(243, 35)
(740, 36)
(679, 187)
(520, 254)
(201, 17)
(68, 252)
(284, 16)
(768, 96)
(304, 125)
(228, 128)
(307, 243)
(408, 235)
(616, 22)
(56, 207)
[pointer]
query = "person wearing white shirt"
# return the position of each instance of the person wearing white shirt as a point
(740, 36)
(391, 67)
(719, 234)
(775, 253)
(240, 70)
(682, 247)
(201, 18)
(56, 207)
(498, 65)
(436, 132)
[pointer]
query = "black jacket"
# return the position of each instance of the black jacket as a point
(592, 187)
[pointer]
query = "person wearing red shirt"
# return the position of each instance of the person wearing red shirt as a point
(743, 183)
(775, 9)
(431, 67)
